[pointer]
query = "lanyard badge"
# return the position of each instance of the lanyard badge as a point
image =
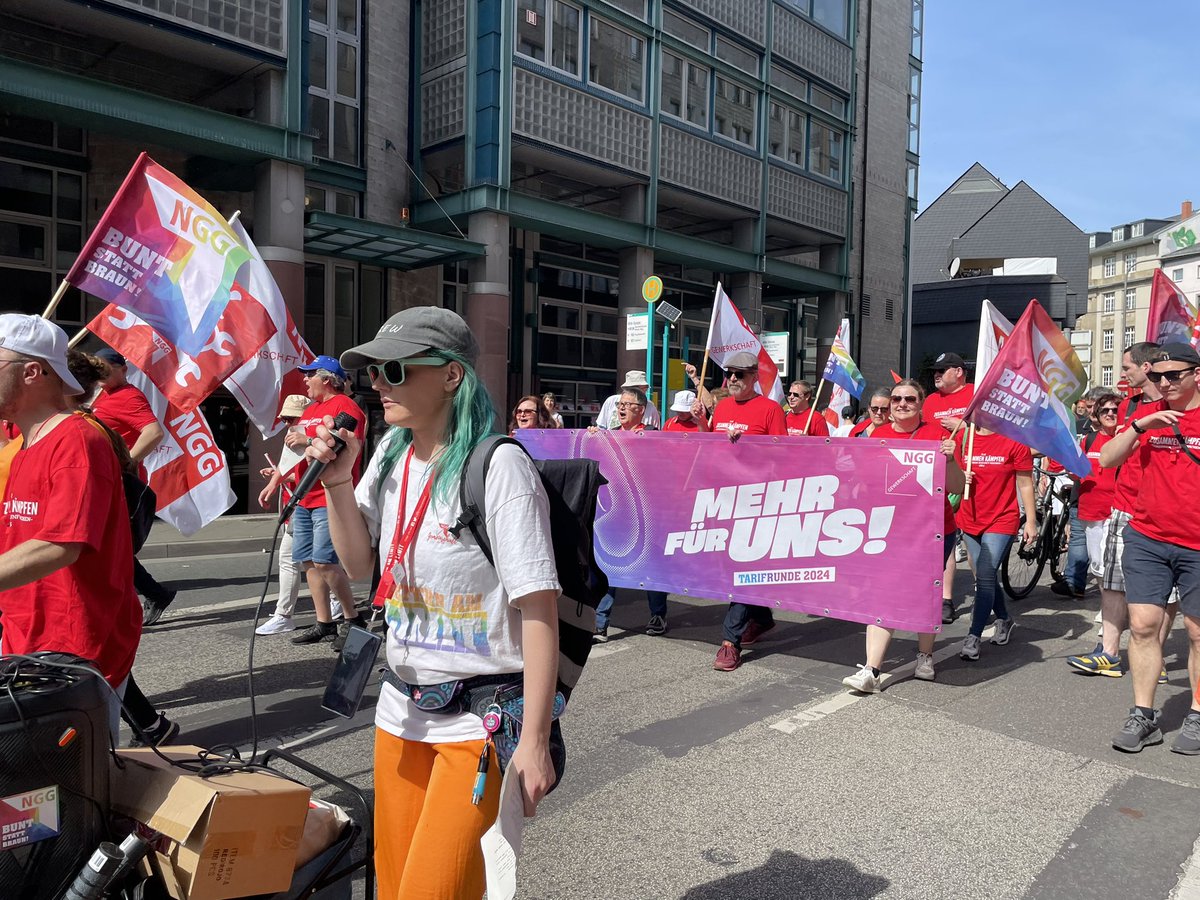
(394, 571)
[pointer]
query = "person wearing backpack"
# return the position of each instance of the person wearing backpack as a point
(458, 627)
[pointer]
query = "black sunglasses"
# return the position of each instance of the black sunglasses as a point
(880, 409)
(741, 373)
(1172, 377)
(392, 370)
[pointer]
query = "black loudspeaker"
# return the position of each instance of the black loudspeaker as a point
(54, 774)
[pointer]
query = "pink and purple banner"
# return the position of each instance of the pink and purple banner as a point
(845, 528)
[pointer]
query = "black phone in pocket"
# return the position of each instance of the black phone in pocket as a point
(349, 680)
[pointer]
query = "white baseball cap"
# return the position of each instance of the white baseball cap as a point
(683, 401)
(41, 339)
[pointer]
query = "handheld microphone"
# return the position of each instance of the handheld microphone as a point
(316, 467)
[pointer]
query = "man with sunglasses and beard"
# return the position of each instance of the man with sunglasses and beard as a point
(312, 547)
(1162, 540)
(744, 412)
(801, 418)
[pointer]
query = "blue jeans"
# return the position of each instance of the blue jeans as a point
(987, 552)
(656, 599)
(1077, 554)
(739, 616)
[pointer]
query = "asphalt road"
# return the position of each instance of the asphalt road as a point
(772, 781)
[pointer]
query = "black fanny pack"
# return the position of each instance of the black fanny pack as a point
(502, 694)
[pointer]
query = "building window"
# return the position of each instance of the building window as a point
(636, 8)
(918, 27)
(1177, 275)
(889, 308)
(914, 109)
(1110, 266)
(825, 151)
(1138, 230)
(1118, 234)
(1131, 298)
(912, 180)
(552, 40)
(1130, 262)
(686, 30)
(831, 14)
(1128, 336)
(1091, 242)
(786, 134)
(738, 56)
(786, 81)
(616, 60)
(828, 102)
(1107, 340)
(684, 90)
(1109, 301)
(333, 80)
(735, 111)
(1106, 376)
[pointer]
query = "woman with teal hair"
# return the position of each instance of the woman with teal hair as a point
(459, 627)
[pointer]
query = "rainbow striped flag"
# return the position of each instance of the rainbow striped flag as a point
(840, 368)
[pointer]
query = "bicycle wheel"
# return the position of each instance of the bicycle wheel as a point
(1022, 566)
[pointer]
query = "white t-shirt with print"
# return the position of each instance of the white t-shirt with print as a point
(452, 616)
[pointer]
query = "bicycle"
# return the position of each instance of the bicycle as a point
(1024, 563)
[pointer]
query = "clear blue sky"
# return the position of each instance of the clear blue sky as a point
(1095, 104)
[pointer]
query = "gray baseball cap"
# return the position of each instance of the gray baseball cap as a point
(411, 332)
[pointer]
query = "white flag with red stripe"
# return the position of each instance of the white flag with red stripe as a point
(270, 375)
(728, 334)
(187, 471)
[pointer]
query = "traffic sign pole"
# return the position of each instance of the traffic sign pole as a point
(652, 289)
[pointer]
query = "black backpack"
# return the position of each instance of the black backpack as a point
(572, 487)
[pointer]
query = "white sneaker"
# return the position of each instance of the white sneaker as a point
(277, 624)
(335, 609)
(924, 670)
(970, 648)
(1003, 631)
(864, 681)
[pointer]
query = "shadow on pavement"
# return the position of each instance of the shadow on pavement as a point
(789, 875)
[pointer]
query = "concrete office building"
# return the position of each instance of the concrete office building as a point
(526, 162)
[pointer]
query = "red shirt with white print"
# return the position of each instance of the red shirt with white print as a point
(938, 406)
(798, 424)
(674, 424)
(66, 489)
(995, 462)
(314, 415)
(1168, 499)
(758, 415)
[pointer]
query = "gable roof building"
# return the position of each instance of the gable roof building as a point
(983, 240)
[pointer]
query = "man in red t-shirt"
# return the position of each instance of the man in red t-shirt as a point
(801, 418)
(312, 547)
(1162, 539)
(744, 412)
(125, 410)
(946, 406)
(66, 549)
(689, 414)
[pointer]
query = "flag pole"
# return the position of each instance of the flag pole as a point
(56, 299)
(813, 408)
(970, 456)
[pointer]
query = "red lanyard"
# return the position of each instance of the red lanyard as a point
(402, 541)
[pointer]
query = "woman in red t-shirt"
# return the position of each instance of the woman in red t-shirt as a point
(988, 518)
(878, 410)
(1097, 490)
(905, 400)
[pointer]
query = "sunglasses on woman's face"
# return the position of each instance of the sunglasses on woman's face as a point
(526, 412)
(913, 399)
(392, 371)
(1107, 411)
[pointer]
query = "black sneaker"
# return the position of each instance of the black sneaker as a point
(949, 613)
(343, 631)
(600, 635)
(315, 633)
(1137, 732)
(162, 732)
(1063, 589)
(152, 610)
(1187, 741)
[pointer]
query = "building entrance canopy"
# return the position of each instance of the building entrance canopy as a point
(375, 243)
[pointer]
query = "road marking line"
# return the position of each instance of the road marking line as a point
(809, 715)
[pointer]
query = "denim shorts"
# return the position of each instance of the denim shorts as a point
(310, 536)
(1152, 568)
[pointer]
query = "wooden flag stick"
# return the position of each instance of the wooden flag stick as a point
(970, 456)
(813, 408)
(56, 299)
(702, 391)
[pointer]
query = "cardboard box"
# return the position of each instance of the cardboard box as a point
(231, 835)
